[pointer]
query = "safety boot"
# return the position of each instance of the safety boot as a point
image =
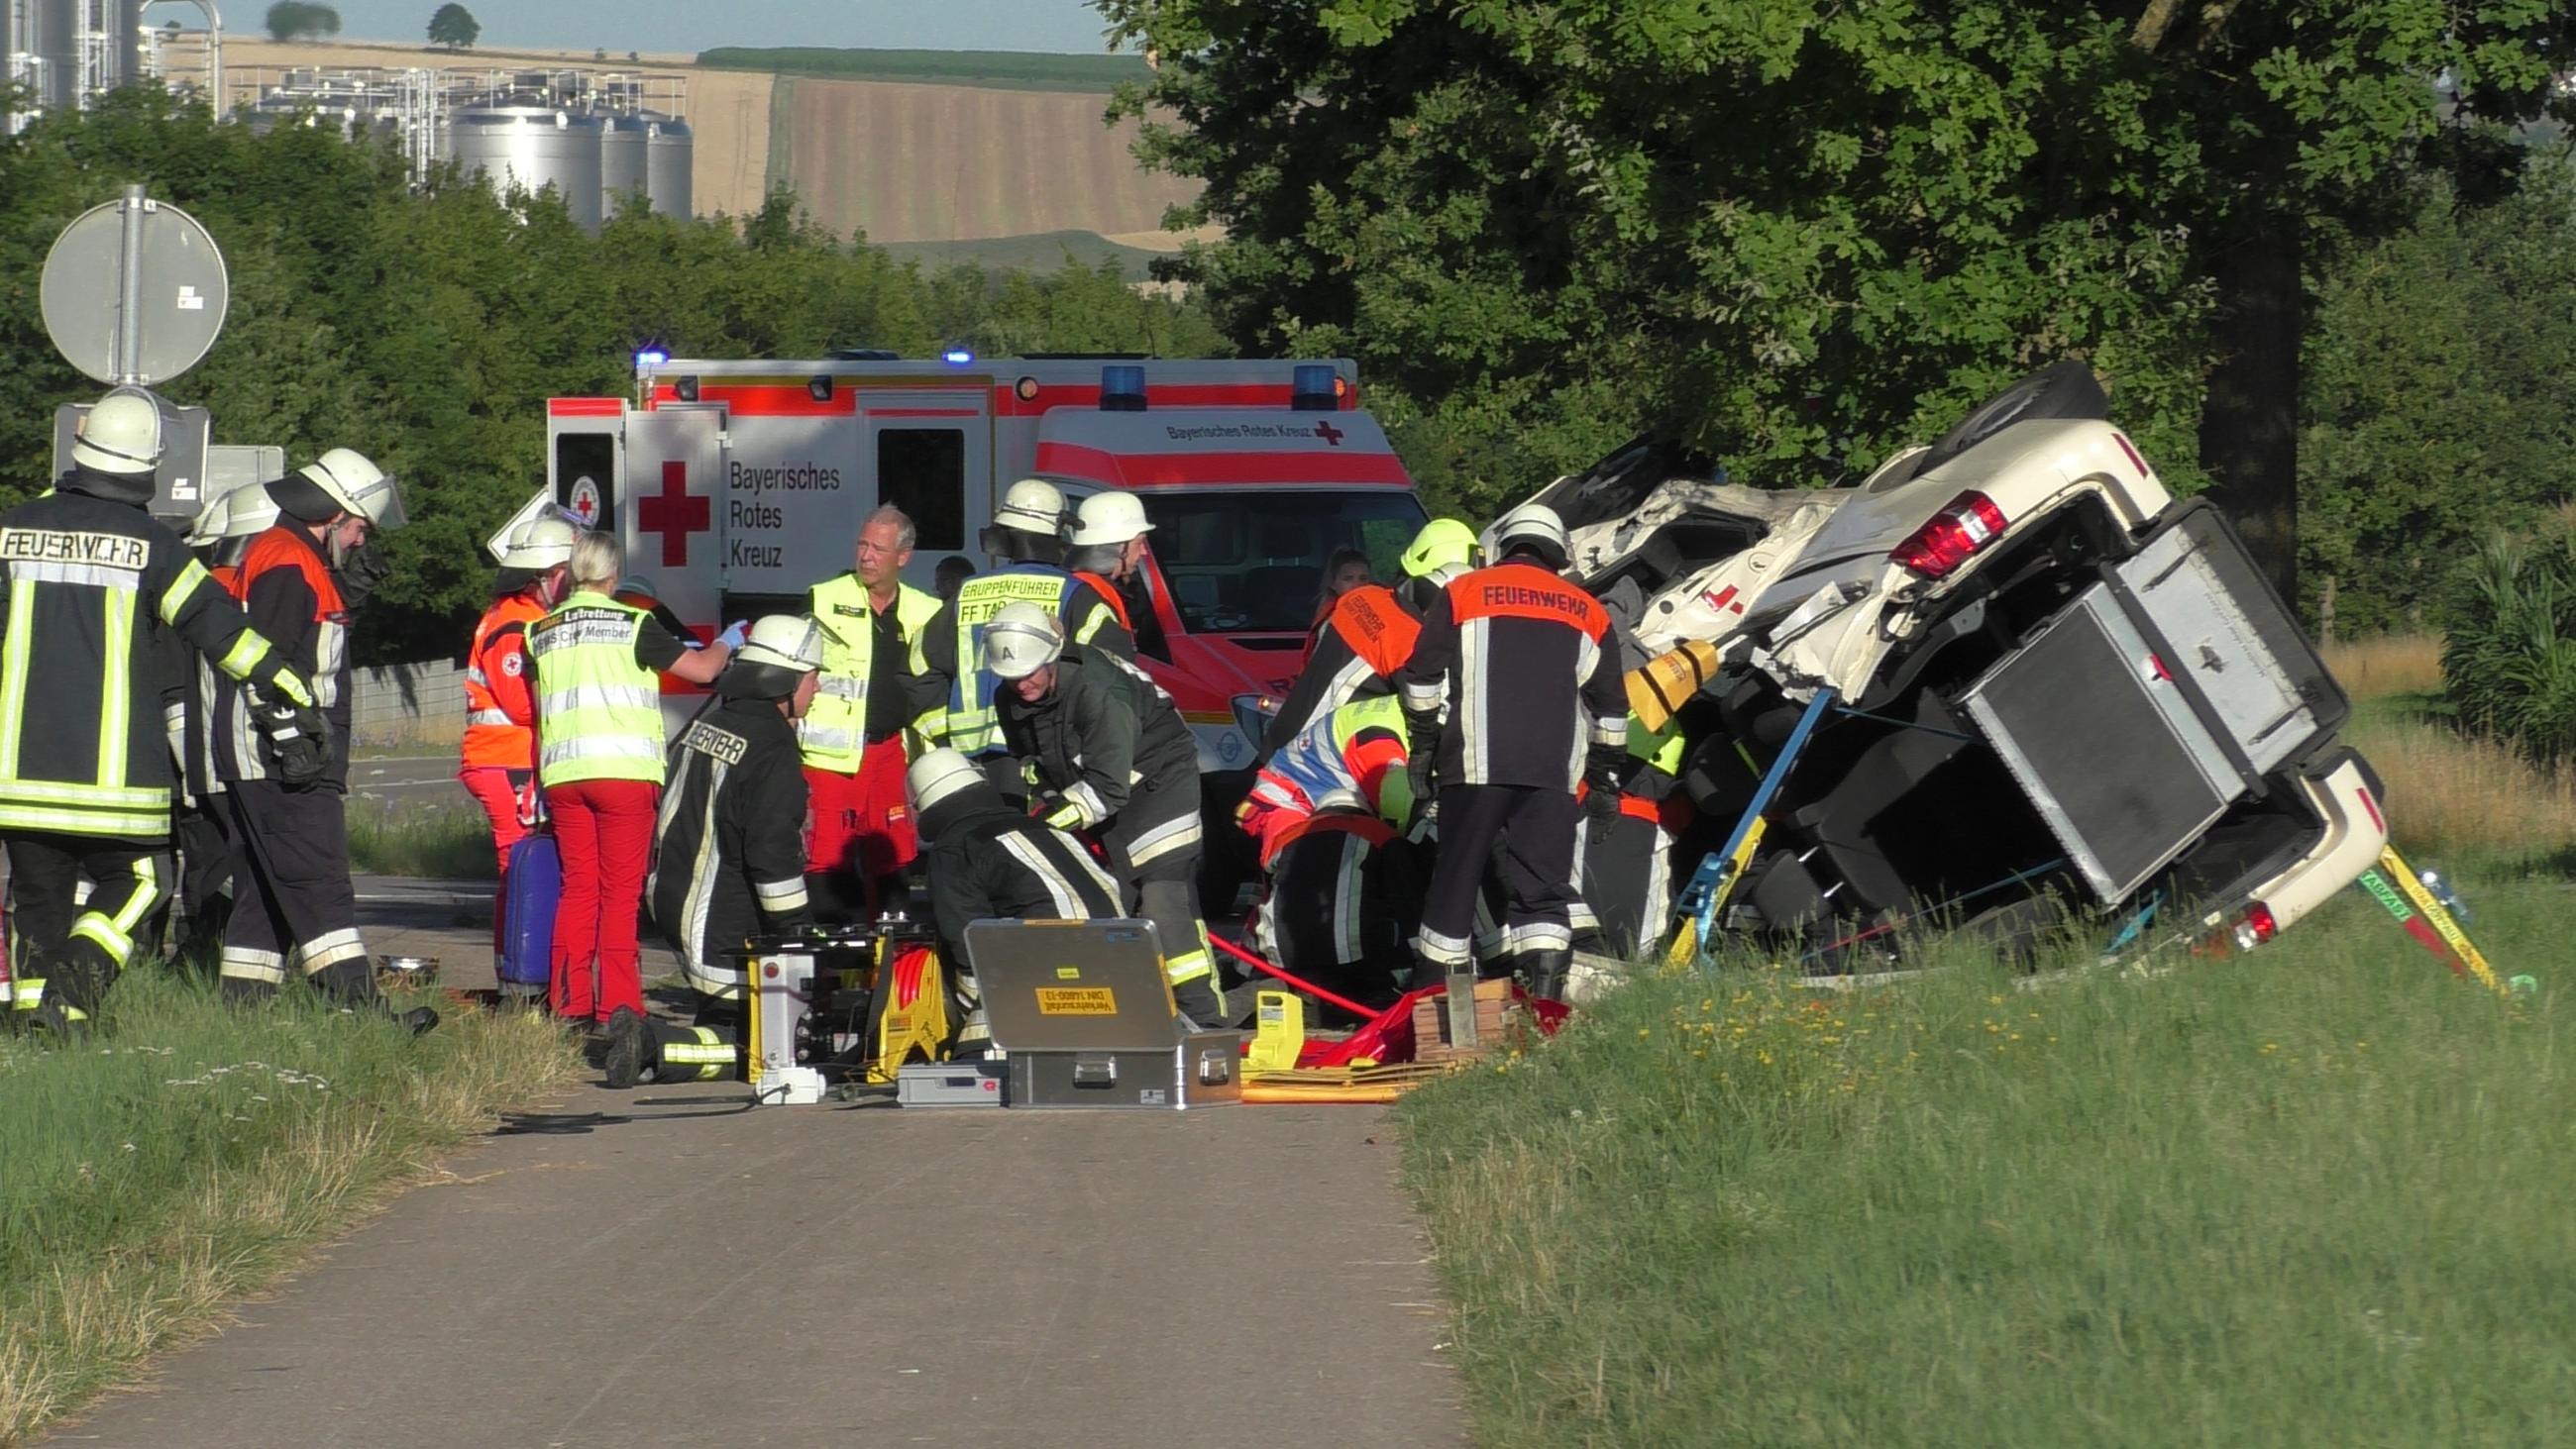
(623, 1059)
(54, 1023)
(1543, 972)
(1199, 1000)
(419, 1021)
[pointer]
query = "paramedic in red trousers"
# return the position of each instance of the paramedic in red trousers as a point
(729, 846)
(599, 761)
(861, 837)
(1108, 755)
(1369, 632)
(295, 912)
(85, 767)
(951, 697)
(1511, 699)
(499, 752)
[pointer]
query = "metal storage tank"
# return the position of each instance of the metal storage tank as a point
(57, 50)
(623, 167)
(534, 147)
(669, 151)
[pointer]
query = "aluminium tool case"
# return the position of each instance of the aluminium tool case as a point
(1082, 1010)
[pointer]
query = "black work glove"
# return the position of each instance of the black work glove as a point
(1600, 808)
(301, 738)
(359, 571)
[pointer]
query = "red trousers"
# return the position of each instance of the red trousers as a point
(605, 830)
(497, 791)
(860, 822)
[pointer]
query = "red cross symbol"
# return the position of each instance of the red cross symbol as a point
(674, 514)
(1331, 435)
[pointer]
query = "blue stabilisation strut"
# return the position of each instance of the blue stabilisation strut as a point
(1710, 884)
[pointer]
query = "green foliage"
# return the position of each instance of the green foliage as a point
(454, 26)
(428, 329)
(2509, 665)
(1796, 234)
(2439, 405)
(1000, 69)
(2301, 1197)
(299, 20)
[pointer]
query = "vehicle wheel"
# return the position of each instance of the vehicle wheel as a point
(2059, 390)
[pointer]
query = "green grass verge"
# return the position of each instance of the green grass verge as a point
(194, 1152)
(438, 842)
(1003, 69)
(780, 162)
(2312, 1195)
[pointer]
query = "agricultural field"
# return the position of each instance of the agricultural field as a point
(1008, 69)
(906, 162)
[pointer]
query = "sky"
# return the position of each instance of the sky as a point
(691, 25)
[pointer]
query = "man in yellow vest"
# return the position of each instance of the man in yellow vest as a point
(862, 833)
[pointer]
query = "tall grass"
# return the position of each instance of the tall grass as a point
(2463, 798)
(194, 1152)
(439, 842)
(2312, 1195)
(2386, 664)
(2510, 662)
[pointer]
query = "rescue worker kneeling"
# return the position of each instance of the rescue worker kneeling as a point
(729, 848)
(1106, 753)
(987, 860)
(1345, 887)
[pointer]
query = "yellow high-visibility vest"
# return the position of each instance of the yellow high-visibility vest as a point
(833, 733)
(599, 713)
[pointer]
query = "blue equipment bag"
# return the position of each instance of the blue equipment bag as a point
(528, 913)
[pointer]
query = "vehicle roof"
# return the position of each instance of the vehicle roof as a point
(1217, 446)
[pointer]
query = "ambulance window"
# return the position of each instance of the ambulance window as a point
(586, 455)
(923, 472)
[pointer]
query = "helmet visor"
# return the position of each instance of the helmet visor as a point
(381, 504)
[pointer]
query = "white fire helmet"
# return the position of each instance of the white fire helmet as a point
(1021, 640)
(786, 641)
(358, 486)
(543, 542)
(1033, 505)
(1111, 517)
(120, 435)
(1531, 523)
(243, 511)
(939, 774)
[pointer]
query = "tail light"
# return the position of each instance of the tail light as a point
(1953, 536)
(2256, 927)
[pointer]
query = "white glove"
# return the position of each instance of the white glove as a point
(732, 638)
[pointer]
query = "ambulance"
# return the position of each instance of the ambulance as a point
(738, 485)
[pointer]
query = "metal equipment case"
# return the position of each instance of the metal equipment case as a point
(1082, 1009)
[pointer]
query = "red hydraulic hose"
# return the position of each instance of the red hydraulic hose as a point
(1309, 987)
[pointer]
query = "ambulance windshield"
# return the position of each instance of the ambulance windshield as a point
(1252, 561)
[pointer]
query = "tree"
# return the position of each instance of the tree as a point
(300, 20)
(454, 26)
(1800, 233)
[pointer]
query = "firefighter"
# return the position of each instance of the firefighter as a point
(85, 767)
(952, 699)
(1624, 848)
(1330, 811)
(1108, 551)
(728, 848)
(1511, 699)
(599, 762)
(1371, 630)
(295, 904)
(201, 818)
(988, 860)
(861, 836)
(1109, 755)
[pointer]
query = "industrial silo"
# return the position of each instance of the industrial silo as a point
(623, 165)
(56, 47)
(533, 147)
(669, 151)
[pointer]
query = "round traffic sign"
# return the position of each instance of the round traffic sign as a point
(180, 292)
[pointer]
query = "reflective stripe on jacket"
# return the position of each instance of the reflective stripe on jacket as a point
(599, 714)
(500, 708)
(834, 733)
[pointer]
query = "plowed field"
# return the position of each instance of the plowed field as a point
(924, 162)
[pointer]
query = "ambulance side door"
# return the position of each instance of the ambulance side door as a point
(930, 452)
(669, 508)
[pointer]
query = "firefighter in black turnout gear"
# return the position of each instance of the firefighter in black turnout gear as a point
(86, 580)
(729, 845)
(294, 903)
(1108, 755)
(1511, 698)
(989, 860)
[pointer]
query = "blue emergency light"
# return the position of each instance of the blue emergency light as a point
(1314, 388)
(1122, 388)
(648, 358)
(958, 356)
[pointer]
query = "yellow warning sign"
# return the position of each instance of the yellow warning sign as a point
(1068, 973)
(1077, 1001)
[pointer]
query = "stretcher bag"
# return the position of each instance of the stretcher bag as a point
(526, 960)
